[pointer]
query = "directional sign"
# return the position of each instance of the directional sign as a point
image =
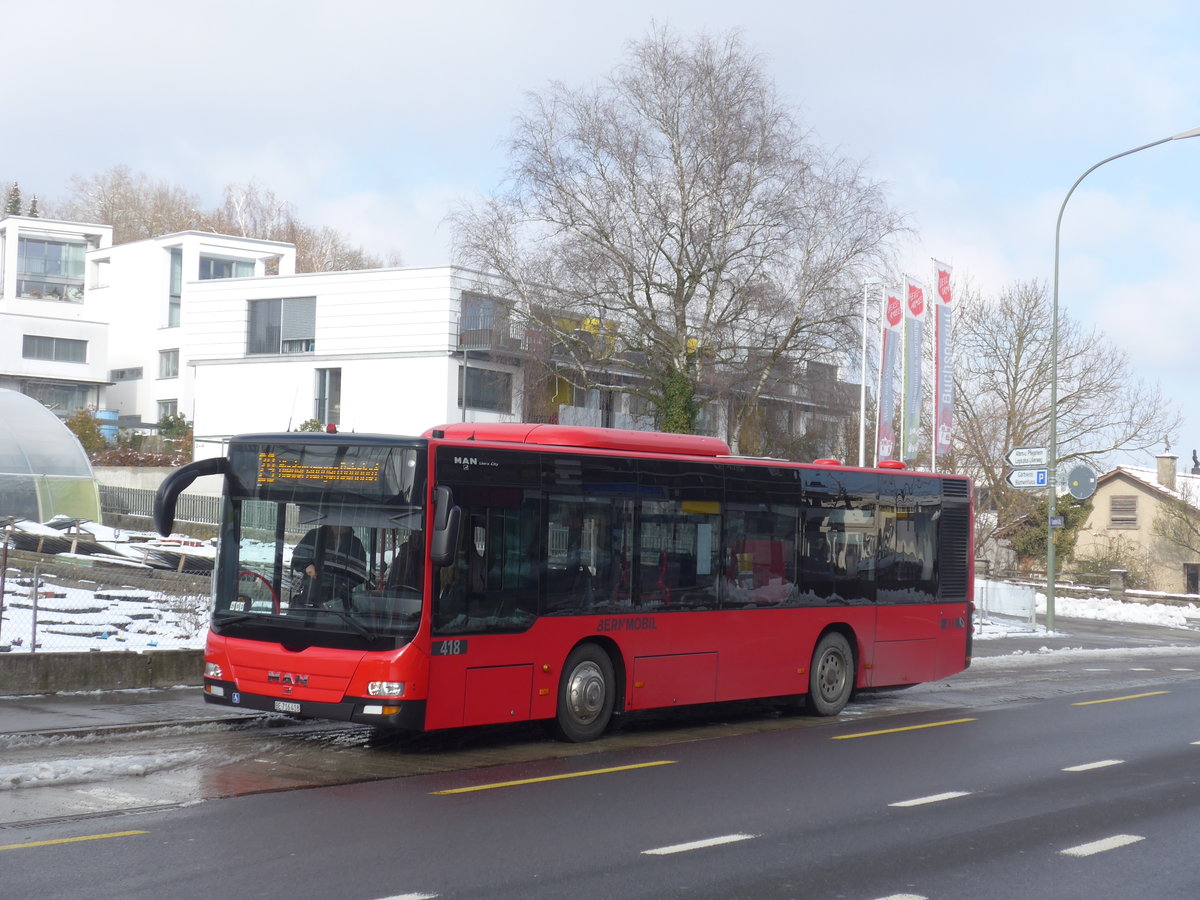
(1027, 478)
(1027, 457)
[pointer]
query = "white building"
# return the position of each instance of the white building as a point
(142, 289)
(53, 339)
(369, 351)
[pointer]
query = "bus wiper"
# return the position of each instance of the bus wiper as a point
(234, 618)
(348, 618)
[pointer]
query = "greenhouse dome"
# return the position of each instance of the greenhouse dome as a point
(43, 469)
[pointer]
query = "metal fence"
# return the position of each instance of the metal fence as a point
(48, 604)
(1004, 605)
(126, 501)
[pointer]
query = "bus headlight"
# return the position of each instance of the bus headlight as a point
(385, 689)
(212, 670)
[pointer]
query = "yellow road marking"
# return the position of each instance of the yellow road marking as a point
(1115, 699)
(504, 784)
(847, 737)
(74, 840)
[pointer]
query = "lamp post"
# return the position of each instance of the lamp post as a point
(1053, 443)
(862, 391)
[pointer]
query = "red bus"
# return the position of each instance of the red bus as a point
(508, 572)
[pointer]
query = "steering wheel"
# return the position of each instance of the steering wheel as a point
(274, 596)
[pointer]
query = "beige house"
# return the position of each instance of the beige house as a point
(1137, 507)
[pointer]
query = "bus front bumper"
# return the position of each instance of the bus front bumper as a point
(406, 714)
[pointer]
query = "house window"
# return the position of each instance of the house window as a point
(175, 297)
(133, 373)
(168, 363)
(54, 348)
(167, 408)
(50, 270)
(1122, 512)
(282, 326)
(1191, 578)
(211, 267)
(485, 389)
(329, 396)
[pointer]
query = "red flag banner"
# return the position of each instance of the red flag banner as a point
(943, 360)
(914, 387)
(885, 432)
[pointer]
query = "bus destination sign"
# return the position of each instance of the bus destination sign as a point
(272, 470)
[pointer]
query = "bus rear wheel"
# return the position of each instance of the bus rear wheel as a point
(831, 676)
(585, 695)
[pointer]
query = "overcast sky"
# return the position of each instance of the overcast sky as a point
(374, 117)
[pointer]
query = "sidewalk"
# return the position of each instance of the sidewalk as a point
(93, 711)
(143, 708)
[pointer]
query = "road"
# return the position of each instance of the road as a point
(1009, 780)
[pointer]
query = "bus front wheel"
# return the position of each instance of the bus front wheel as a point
(831, 676)
(585, 695)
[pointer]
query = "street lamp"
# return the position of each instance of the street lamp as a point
(1053, 445)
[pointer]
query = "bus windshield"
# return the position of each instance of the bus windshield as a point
(322, 545)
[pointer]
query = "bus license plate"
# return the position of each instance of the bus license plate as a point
(286, 706)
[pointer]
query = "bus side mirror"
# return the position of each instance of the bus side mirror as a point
(174, 484)
(447, 520)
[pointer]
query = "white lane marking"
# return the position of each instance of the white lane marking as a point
(1109, 843)
(1097, 670)
(935, 798)
(1183, 670)
(904, 897)
(1140, 669)
(1096, 765)
(1196, 743)
(411, 897)
(699, 845)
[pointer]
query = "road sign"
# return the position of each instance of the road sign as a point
(1027, 478)
(1058, 521)
(1027, 457)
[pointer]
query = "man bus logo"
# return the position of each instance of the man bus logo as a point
(287, 678)
(465, 461)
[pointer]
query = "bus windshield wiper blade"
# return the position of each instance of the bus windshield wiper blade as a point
(349, 619)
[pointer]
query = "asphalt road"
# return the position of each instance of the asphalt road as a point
(1027, 776)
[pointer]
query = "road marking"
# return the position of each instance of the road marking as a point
(904, 897)
(411, 897)
(74, 840)
(1110, 843)
(1183, 670)
(504, 784)
(1116, 699)
(699, 845)
(1096, 765)
(1140, 669)
(862, 734)
(934, 798)
(1097, 670)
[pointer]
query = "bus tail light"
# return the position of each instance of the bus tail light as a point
(385, 689)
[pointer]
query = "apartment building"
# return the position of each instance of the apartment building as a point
(53, 339)
(142, 290)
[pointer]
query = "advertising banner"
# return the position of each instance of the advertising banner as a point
(943, 361)
(885, 432)
(914, 356)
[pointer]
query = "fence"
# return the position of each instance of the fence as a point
(127, 501)
(1002, 604)
(52, 604)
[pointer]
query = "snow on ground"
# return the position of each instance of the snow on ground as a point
(70, 619)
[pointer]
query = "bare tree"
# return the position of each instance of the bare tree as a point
(132, 204)
(1002, 385)
(680, 210)
(138, 208)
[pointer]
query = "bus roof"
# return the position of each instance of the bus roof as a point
(580, 436)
